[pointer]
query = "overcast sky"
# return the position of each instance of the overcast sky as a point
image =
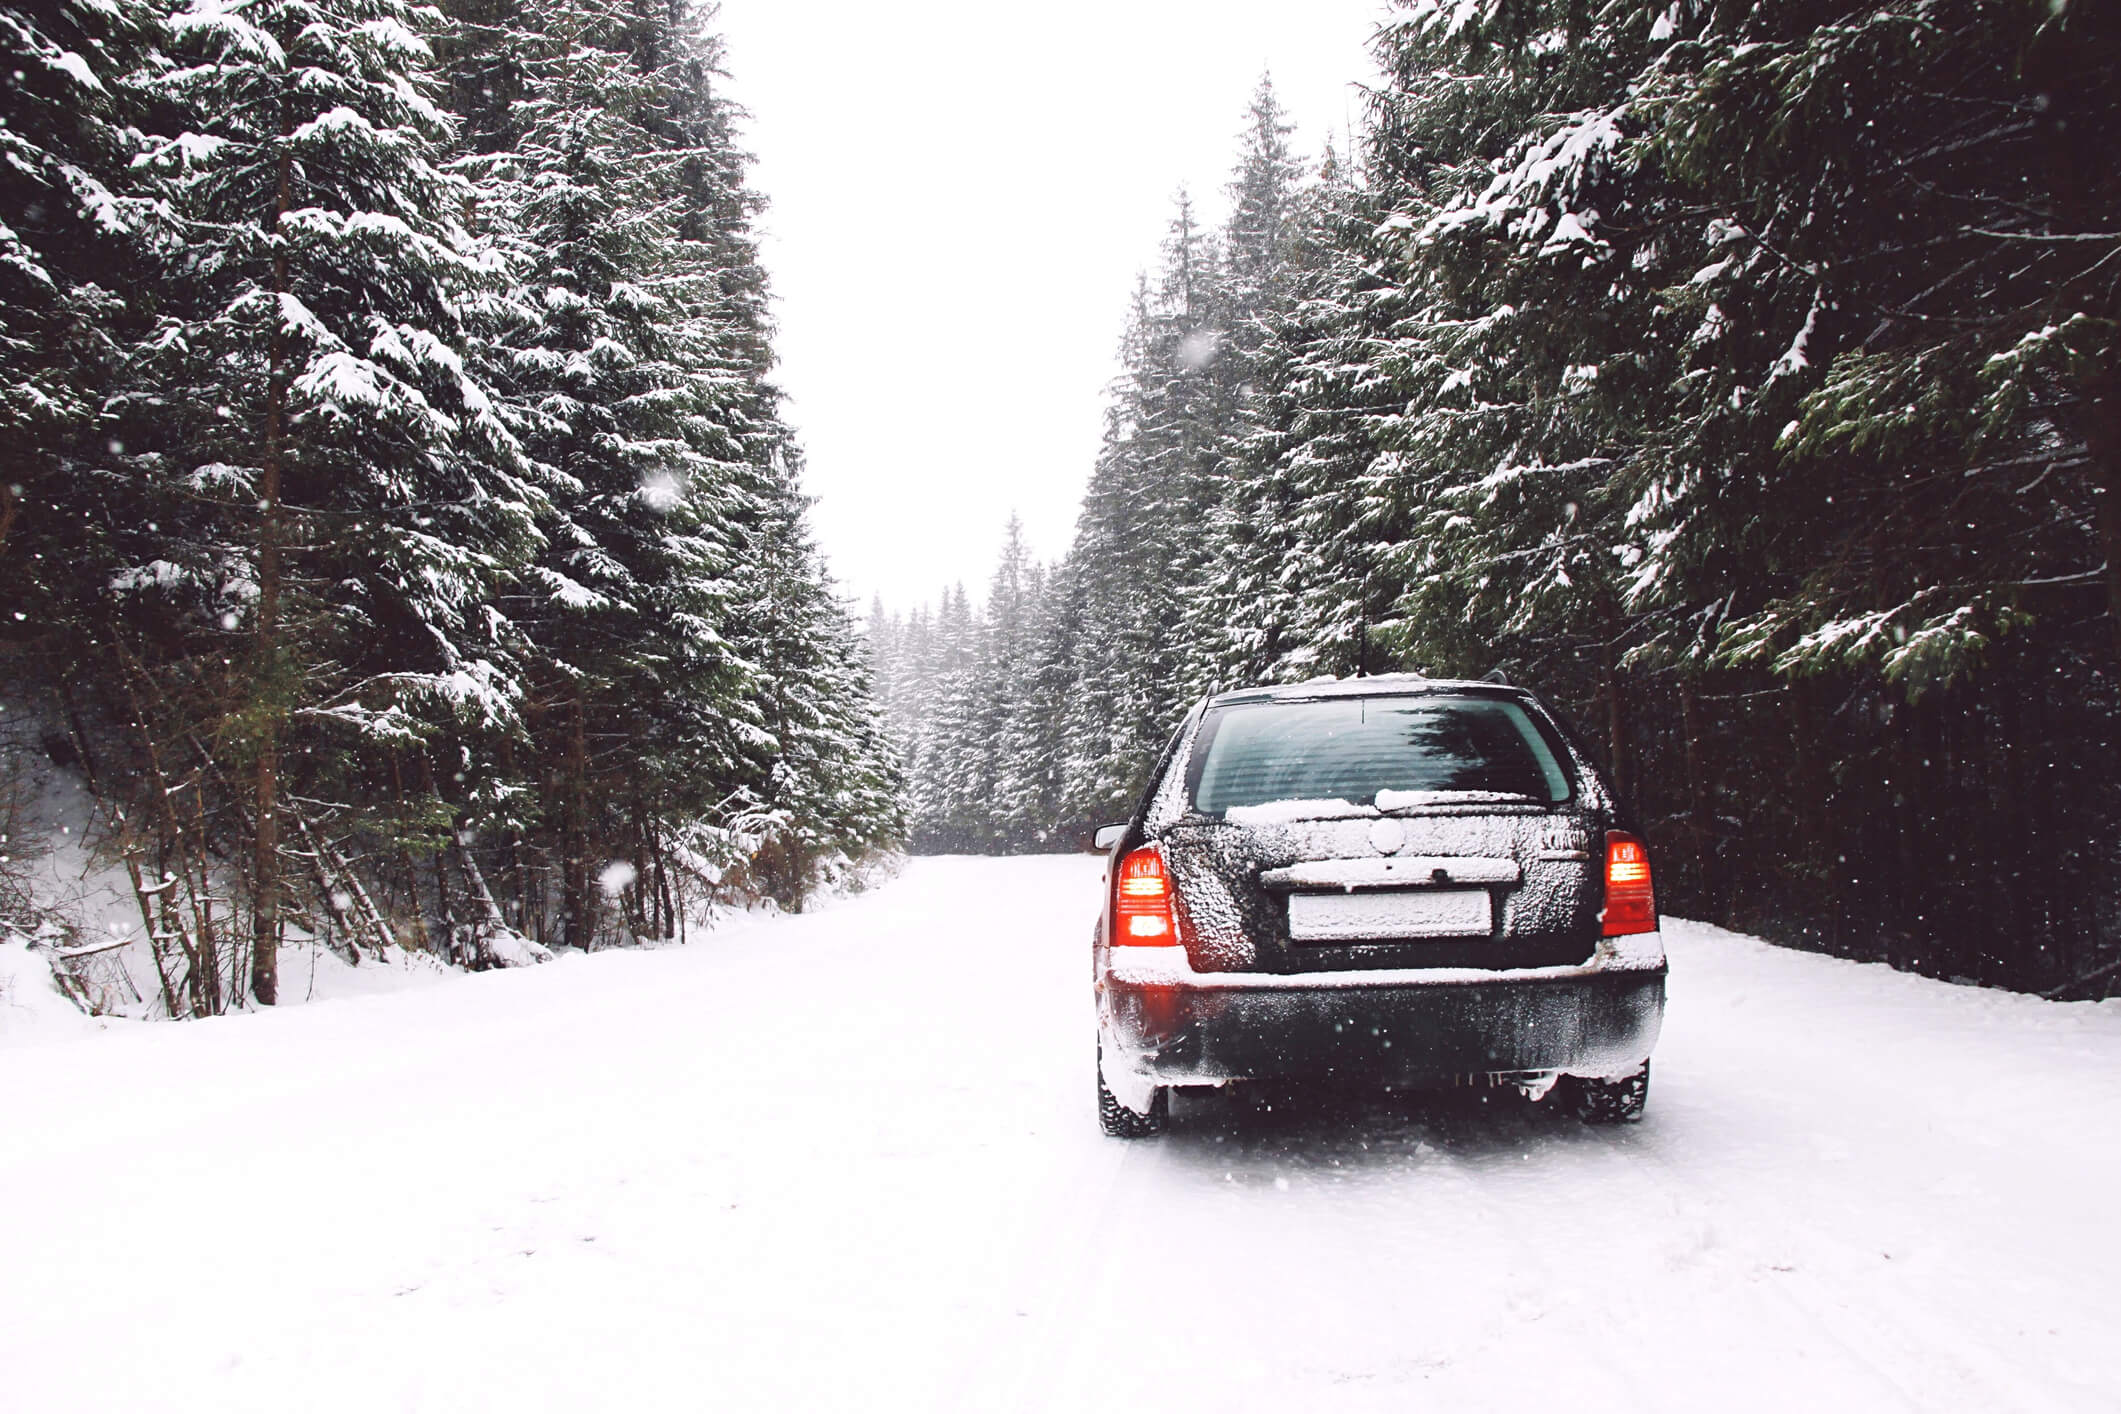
(962, 192)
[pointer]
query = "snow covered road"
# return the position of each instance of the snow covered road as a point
(850, 1161)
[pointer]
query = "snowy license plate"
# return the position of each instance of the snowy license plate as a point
(1396, 913)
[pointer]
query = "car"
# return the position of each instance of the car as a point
(1398, 879)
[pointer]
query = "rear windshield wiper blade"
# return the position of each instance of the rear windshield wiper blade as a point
(1393, 801)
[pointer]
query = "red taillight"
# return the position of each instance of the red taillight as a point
(1143, 915)
(1630, 902)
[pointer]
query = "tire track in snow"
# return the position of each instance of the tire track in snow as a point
(1051, 1278)
(1834, 1305)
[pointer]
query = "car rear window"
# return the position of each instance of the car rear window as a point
(1351, 748)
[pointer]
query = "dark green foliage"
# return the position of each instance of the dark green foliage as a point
(76, 227)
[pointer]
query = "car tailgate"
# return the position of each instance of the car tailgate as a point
(1240, 884)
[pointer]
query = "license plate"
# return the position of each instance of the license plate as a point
(1393, 913)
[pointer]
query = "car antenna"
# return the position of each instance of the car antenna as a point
(1362, 637)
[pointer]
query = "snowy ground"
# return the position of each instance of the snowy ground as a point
(850, 1161)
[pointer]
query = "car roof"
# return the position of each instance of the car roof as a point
(1375, 685)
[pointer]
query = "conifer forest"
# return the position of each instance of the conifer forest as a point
(402, 535)
(1746, 377)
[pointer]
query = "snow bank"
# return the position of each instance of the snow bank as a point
(32, 1008)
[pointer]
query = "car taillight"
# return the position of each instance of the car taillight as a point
(1630, 902)
(1143, 914)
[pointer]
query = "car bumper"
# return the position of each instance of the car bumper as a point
(1164, 1024)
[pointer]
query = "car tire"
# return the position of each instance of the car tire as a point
(1615, 1099)
(1120, 1120)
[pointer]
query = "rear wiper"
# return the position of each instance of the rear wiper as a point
(1292, 812)
(1392, 801)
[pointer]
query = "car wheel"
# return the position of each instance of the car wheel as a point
(1610, 1100)
(1123, 1121)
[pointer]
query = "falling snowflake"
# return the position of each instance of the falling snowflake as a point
(662, 491)
(1198, 349)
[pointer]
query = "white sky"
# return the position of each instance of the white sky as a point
(963, 191)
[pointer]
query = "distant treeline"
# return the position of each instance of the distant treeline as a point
(1746, 377)
(399, 527)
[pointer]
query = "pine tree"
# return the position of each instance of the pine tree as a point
(1039, 739)
(996, 685)
(1237, 607)
(315, 367)
(1492, 477)
(832, 784)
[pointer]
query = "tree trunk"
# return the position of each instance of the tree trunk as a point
(460, 950)
(490, 919)
(575, 867)
(265, 872)
(265, 859)
(145, 895)
(200, 887)
(408, 866)
(667, 919)
(202, 959)
(643, 892)
(335, 875)
(517, 869)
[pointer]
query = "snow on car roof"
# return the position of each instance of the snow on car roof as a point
(1373, 685)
